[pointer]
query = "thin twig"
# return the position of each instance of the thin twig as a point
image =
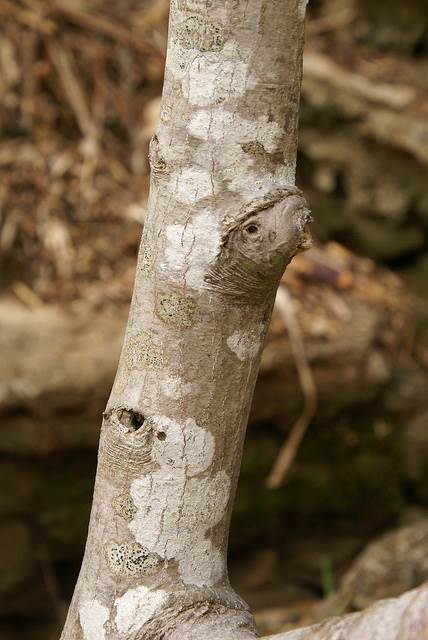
(284, 305)
(101, 24)
(330, 22)
(28, 18)
(26, 295)
(73, 90)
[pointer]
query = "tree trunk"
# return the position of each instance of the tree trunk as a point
(224, 220)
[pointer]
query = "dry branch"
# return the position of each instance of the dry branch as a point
(403, 618)
(287, 453)
(101, 24)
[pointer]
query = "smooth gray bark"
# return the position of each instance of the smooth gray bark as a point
(403, 618)
(225, 218)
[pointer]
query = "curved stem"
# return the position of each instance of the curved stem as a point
(224, 220)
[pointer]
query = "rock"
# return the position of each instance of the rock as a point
(397, 562)
(382, 242)
(363, 151)
(393, 564)
(58, 367)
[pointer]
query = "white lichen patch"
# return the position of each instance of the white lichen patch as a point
(204, 564)
(233, 142)
(246, 345)
(201, 6)
(251, 179)
(191, 248)
(186, 446)
(93, 616)
(191, 184)
(176, 388)
(216, 123)
(212, 77)
(175, 508)
(136, 607)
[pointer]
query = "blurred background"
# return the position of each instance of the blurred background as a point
(79, 95)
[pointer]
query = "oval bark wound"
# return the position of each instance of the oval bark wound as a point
(121, 446)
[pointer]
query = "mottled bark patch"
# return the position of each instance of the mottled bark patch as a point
(198, 33)
(77, 632)
(266, 161)
(132, 559)
(145, 265)
(142, 351)
(124, 506)
(176, 310)
(182, 452)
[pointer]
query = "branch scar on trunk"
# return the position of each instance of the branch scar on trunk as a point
(257, 245)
